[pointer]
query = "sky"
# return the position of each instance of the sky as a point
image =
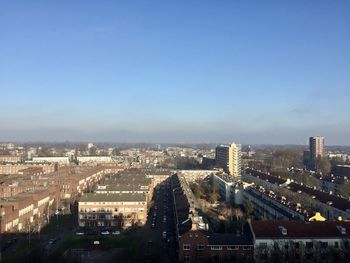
(258, 72)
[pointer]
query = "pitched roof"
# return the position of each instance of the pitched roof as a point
(300, 229)
(337, 202)
(91, 197)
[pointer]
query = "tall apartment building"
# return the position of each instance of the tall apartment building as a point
(316, 145)
(228, 157)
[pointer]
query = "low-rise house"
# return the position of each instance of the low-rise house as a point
(203, 246)
(298, 241)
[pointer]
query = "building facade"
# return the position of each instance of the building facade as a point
(10, 159)
(28, 211)
(201, 246)
(59, 160)
(297, 241)
(112, 210)
(316, 145)
(342, 171)
(228, 157)
(225, 184)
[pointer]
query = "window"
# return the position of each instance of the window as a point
(309, 245)
(336, 244)
(216, 247)
(200, 247)
(186, 246)
(296, 244)
(263, 245)
(232, 248)
(324, 244)
(308, 256)
(187, 259)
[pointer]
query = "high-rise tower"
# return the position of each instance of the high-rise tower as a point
(316, 145)
(228, 157)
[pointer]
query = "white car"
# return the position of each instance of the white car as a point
(164, 234)
(80, 233)
(116, 233)
(105, 233)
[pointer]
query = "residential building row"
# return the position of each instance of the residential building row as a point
(16, 168)
(119, 211)
(120, 199)
(331, 206)
(10, 159)
(266, 203)
(270, 241)
(298, 241)
(342, 171)
(22, 197)
(28, 211)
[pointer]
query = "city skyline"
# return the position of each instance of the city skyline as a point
(272, 73)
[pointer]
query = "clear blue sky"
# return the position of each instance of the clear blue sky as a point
(175, 71)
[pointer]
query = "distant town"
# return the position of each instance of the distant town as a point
(105, 202)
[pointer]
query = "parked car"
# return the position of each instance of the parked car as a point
(79, 233)
(105, 232)
(117, 232)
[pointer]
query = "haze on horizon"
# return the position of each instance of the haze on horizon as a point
(154, 71)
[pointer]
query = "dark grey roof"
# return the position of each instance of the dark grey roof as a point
(337, 202)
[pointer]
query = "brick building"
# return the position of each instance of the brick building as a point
(27, 211)
(112, 210)
(203, 246)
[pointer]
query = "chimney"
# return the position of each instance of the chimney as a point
(194, 227)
